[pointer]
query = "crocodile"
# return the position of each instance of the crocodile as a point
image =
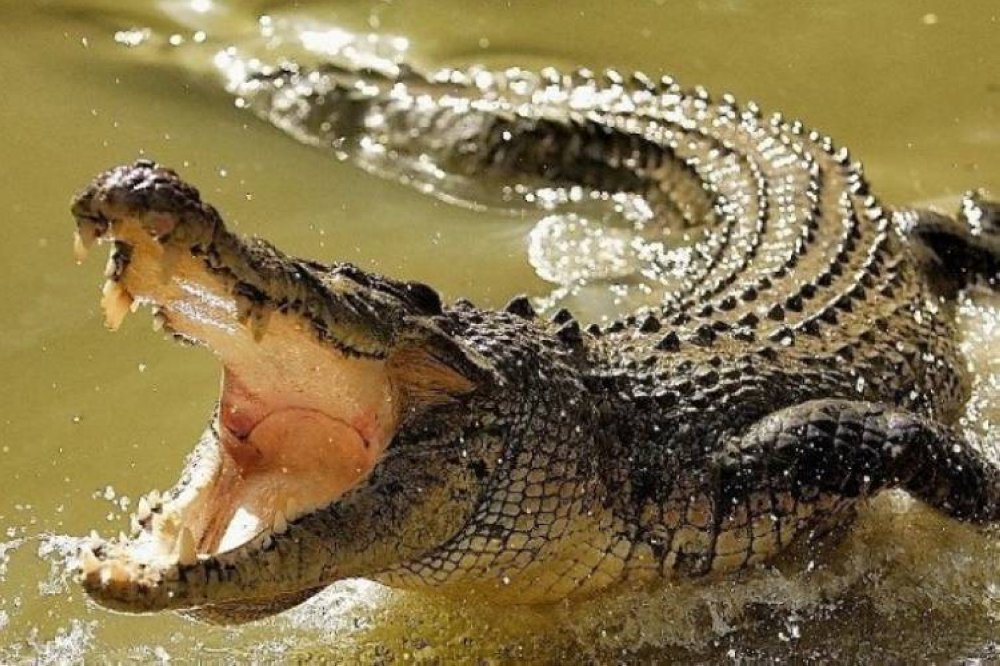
(805, 361)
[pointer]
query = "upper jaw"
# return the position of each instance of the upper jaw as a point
(147, 210)
(143, 206)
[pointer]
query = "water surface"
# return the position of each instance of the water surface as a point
(89, 420)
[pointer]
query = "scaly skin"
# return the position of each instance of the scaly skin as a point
(806, 361)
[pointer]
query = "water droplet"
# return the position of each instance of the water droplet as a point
(132, 37)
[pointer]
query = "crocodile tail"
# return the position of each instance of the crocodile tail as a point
(326, 111)
(334, 104)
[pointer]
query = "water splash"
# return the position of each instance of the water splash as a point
(904, 581)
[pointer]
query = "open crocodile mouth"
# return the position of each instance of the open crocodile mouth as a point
(300, 420)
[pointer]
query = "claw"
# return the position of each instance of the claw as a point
(143, 511)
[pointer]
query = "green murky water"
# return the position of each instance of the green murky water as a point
(89, 419)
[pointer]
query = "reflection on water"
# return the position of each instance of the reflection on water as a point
(91, 83)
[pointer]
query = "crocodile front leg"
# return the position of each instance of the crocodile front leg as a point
(799, 471)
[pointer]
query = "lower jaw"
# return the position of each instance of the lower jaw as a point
(241, 494)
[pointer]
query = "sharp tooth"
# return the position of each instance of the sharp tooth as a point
(116, 302)
(95, 538)
(186, 551)
(80, 248)
(155, 498)
(143, 510)
(83, 239)
(280, 524)
(159, 524)
(105, 575)
(159, 319)
(122, 539)
(89, 562)
(243, 526)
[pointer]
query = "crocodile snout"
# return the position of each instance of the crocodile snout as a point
(154, 195)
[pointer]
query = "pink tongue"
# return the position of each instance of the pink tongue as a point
(294, 461)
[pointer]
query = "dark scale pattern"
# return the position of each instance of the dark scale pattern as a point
(805, 361)
(801, 290)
